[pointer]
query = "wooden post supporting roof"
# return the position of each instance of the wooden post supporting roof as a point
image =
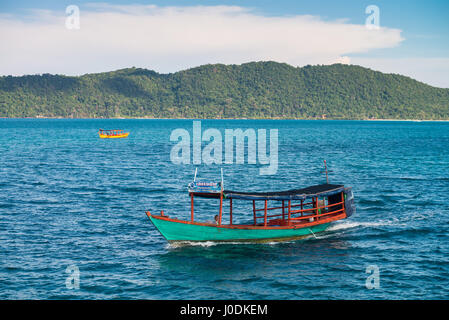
(289, 210)
(254, 212)
(283, 210)
(230, 211)
(265, 214)
(221, 208)
(191, 206)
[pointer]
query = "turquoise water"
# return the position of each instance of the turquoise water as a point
(68, 198)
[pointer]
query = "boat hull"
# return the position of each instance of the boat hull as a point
(178, 231)
(105, 136)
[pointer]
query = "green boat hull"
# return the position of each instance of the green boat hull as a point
(179, 231)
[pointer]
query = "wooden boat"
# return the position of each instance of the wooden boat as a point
(296, 214)
(109, 134)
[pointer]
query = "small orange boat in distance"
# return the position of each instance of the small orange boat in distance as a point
(110, 134)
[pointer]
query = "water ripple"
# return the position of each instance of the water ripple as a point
(70, 199)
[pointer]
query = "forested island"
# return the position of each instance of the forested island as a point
(259, 90)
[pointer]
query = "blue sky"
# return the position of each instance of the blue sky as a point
(415, 41)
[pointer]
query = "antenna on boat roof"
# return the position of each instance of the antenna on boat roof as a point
(325, 168)
(194, 177)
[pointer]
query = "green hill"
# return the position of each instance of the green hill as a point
(251, 90)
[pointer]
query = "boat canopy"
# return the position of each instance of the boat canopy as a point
(110, 130)
(293, 194)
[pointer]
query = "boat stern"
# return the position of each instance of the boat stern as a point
(349, 202)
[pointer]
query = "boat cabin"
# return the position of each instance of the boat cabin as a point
(311, 205)
(110, 132)
(117, 133)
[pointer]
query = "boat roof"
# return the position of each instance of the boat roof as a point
(303, 193)
(293, 194)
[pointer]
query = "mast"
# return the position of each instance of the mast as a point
(191, 199)
(191, 206)
(325, 168)
(221, 199)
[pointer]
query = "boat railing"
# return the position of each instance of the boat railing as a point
(292, 206)
(317, 216)
(311, 211)
(111, 132)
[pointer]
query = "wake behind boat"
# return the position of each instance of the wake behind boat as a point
(296, 214)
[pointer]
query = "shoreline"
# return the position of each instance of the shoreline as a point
(302, 119)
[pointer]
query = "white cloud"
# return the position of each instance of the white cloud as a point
(167, 39)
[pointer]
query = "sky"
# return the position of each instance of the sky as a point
(78, 37)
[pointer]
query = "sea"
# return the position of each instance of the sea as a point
(73, 222)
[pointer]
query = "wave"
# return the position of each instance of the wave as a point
(349, 225)
(141, 190)
(375, 202)
(37, 183)
(206, 244)
(42, 201)
(87, 189)
(181, 244)
(413, 178)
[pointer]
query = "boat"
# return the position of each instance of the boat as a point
(104, 134)
(296, 213)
